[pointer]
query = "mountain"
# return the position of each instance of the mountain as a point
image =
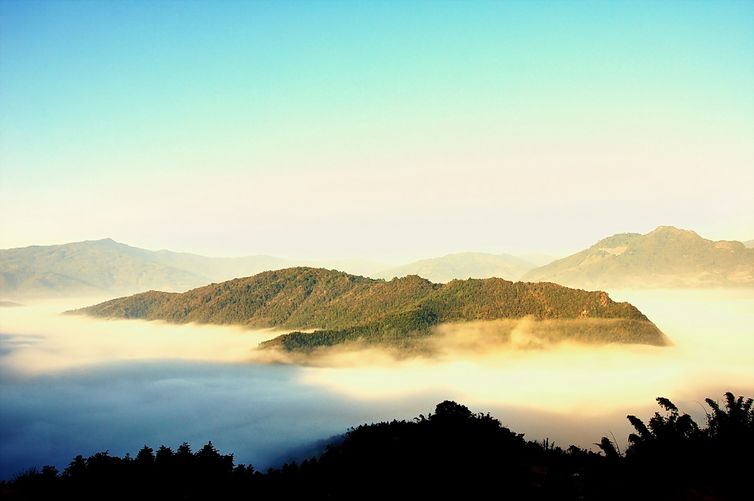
(538, 258)
(749, 244)
(219, 268)
(665, 257)
(98, 267)
(463, 265)
(90, 267)
(400, 312)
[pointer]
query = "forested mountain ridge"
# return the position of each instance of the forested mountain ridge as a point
(346, 307)
(665, 257)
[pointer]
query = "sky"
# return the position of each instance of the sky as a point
(375, 130)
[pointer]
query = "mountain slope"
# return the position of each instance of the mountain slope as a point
(665, 257)
(462, 265)
(106, 266)
(218, 268)
(97, 267)
(90, 267)
(348, 308)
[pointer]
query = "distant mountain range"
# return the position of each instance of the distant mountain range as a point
(105, 266)
(665, 257)
(100, 267)
(399, 313)
(749, 244)
(463, 265)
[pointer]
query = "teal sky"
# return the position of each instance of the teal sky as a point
(383, 130)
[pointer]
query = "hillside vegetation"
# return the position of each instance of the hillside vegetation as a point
(665, 257)
(343, 307)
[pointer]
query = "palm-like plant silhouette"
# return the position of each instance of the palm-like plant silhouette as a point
(736, 419)
(663, 432)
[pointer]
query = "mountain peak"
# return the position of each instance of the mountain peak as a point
(665, 257)
(100, 242)
(673, 231)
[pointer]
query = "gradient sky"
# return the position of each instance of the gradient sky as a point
(382, 130)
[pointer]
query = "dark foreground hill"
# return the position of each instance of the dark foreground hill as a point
(450, 454)
(665, 257)
(345, 308)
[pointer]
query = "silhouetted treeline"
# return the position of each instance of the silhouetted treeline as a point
(450, 454)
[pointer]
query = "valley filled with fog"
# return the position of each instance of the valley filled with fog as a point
(75, 385)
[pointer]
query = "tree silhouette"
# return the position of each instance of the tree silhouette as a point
(145, 456)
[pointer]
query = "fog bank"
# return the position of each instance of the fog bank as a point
(711, 336)
(39, 339)
(73, 384)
